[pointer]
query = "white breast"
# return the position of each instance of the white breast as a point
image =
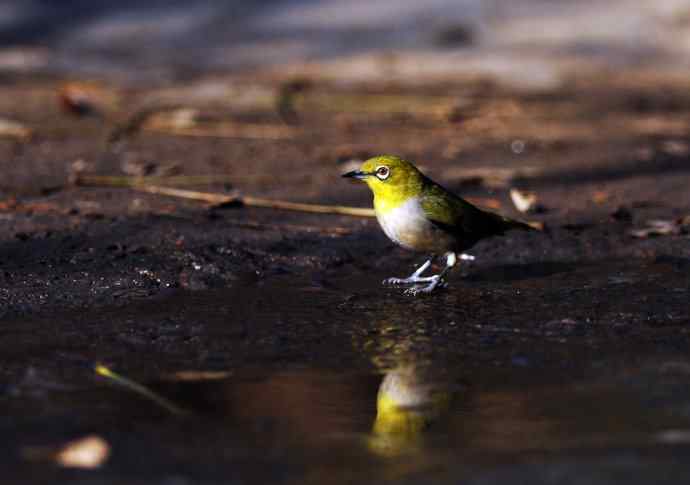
(408, 226)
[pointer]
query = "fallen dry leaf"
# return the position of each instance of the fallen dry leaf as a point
(678, 148)
(176, 119)
(526, 202)
(14, 130)
(523, 201)
(600, 197)
(83, 98)
(663, 228)
(89, 452)
(9, 204)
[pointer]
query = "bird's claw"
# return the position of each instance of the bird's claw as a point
(417, 290)
(397, 281)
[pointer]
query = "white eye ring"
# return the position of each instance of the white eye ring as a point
(382, 172)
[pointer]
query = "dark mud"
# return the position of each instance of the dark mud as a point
(555, 357)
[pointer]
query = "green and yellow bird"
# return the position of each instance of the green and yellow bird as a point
(418, 214)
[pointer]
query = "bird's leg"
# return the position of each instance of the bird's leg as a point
(435, 280)
(413, 278)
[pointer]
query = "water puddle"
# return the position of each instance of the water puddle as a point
(311, 425)
(334, 380)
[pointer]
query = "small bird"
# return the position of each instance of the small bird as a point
(418, 214)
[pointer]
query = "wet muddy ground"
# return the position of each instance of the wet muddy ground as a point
(554, 357)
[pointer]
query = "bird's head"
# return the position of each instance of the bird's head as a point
(389, 177)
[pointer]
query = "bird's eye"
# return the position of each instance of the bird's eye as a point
(382, 172)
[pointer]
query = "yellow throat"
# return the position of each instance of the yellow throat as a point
(402, 181)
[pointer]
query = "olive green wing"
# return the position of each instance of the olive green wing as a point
(458, 217)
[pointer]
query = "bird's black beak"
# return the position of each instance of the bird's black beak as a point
(356, 174)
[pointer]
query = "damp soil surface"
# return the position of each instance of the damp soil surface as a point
(558, 356)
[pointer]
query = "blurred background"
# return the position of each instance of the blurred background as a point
(526, 40)
(587, 91)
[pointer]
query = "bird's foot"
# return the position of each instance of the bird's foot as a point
(435, 282)
(398, 281)
(414, 278)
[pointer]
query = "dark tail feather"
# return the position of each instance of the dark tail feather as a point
(512, 224)
(504, 224)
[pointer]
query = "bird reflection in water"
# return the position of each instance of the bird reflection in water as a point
(408, 403)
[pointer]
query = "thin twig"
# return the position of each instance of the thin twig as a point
(137, 388)
(208, 197)
(300, 207)
(133, 125)
(221, 199)
(250, 201)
